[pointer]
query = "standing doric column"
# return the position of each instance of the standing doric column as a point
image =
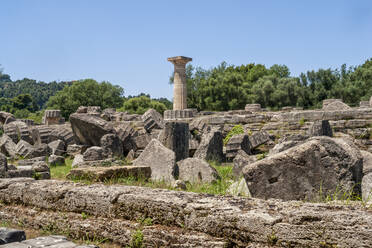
(180, 87)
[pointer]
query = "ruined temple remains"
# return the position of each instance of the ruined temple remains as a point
(52, 117)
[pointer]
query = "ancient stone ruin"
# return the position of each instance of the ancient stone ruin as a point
(290, 172)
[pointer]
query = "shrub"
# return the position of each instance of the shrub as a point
(238, 129)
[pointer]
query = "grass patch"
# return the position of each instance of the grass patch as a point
(60, 171)
(238, 129)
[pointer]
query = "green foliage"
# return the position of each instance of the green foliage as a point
(227, 87)
(302, 121)
(238, 129)
(84, 215)
(137, 240)
(60, 172)
(139, 105)
(260, 156)
(145, 221)
(39, 91)
(86, 92)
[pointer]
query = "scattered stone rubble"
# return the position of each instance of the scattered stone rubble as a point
(291, 154)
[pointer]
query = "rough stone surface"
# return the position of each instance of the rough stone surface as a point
(3, 165)
(4, 116)
(94, 153)
(236, 143)
(120, 231)
(29, 162)
(7, 146)
(322, 163)
(211, 146)
(239, 188)
(196, 170)
(243, 221)
(259, 138)
(55, 160)
(101, 174)
(74, 149)
(112, 145)
(53, 241)
(320, 128)
(89, 129)
(336, 106)
(241, 160)
(23, 148)
(11, 235)
(161, 160)
(175, 136)
(253, 107)
(78, 160)
(126, 134)
(57, 147)
(152, 120)
(367, 178)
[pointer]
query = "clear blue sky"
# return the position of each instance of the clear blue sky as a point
(128, 42)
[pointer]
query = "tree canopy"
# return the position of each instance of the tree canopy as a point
(86, 92)
(140, 104)
(227, 87)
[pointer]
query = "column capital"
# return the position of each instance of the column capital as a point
(179, 60)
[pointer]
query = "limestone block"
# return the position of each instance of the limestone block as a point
(175, 136)
(320, 128)
(300, 172)
(196, 170)
(152, 119)
(101, 174)
(160, 159)
(210, 147)
(236, 143)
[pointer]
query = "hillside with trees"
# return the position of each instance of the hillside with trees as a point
(224, 87)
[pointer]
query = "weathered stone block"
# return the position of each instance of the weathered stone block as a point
(211, 147)
(101, 174)
(322, 165)
(196, 170)
(161, 160)
(175, 136)
(236, 143)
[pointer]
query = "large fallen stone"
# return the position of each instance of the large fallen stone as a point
(175, 136)
(239, 188)
(152, 120)
(160, 159)
(367, 178)
(11, 235)
(112, 145)
(4, 116)
(242, 222)
(236, 143)
(57, 147)
(194, 170)
(53, 241)
(241, 160)
(101, 174)
(336, 106)
(7, 146)
(320, 128)
(211, 146)
(18, 130)
(55, 160)
(94, 153)
(23, 148)
(29, 162)
(287, 142)
(322, 166)
(3, 165)
(89, 129)
(259, 138)
(126, 133)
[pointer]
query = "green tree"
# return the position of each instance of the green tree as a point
(86, 92)
(139, 105)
